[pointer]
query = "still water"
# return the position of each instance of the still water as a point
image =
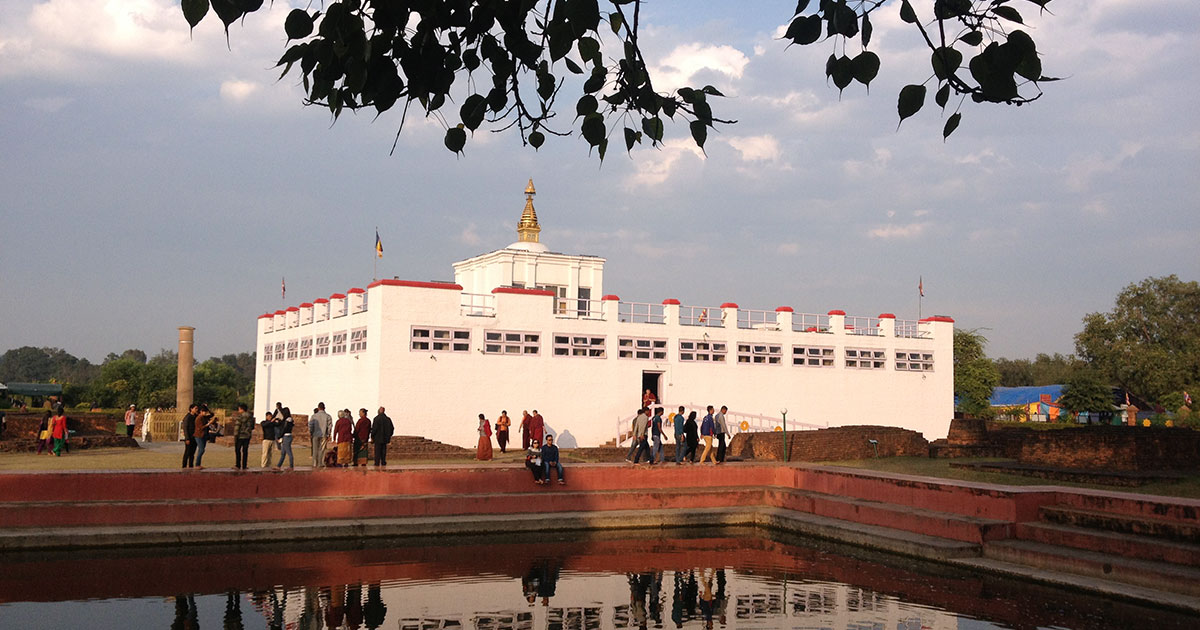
(741, 579)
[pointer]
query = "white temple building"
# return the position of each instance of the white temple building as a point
(525, 328)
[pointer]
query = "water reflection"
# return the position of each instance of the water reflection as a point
(739, 581)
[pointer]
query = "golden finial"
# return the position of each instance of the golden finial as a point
(528, 228)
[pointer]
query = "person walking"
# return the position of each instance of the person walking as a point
(483, 451)
(147, 416)
(381, 433)
(284, 433)
(58, 430)
(243, 430)
(656, 434)
(362, 436)
(708, 428)
(722, 432)
(550, 461)
(641, 429)
(691, 436)
(189, 436)
(130, 420)
(634, 443)
(680, 441)
(537, 427)
(269, 434)
(343, 437)
(318, 427)
(526, 420)
(44, 440)
(204, 433)
(502, 424)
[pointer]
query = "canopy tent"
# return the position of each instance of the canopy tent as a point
(32, 389)
(1010, 396)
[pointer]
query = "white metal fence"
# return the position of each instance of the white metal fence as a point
(641, 313)
(477, 304)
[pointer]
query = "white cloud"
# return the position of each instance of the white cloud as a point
(655, 166)
(879, 161)
(889, 232)
(891, 213)
(1080, 172)
(469, 235)
(788, 249)
(679, 67)
(764, 148)
(238, 91)
(920, 213)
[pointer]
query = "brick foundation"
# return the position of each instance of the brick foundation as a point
(833, 444)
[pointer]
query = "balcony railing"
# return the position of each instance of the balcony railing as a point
(641, 313)
(707, 316)
(810, 322)
(863, 326)
(477, 305)
(758, 320)
(910, 329)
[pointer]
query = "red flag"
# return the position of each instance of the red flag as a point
(283, 288)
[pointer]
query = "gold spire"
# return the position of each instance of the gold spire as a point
(528, 228)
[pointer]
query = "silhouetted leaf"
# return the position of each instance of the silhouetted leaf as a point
(804, 30)
(456, 139)
(865, 67)
(867, 29)
(699, 132)
(472, 111)
(653, 127)
(973, 38)
(906, 12)
(194, 11)
(942, 95)
(951, 125)
(299, 24)
(587, 105)
(1008, 13)
(912, 97)
(945, 62)
(536, 139)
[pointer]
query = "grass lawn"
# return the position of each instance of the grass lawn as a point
(1189, 488)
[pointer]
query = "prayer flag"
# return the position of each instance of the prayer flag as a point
(378, 245)
(921, 285)
(283, 288)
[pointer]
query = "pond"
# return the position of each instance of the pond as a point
(732, 579)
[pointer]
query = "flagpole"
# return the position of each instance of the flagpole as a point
(920, 296)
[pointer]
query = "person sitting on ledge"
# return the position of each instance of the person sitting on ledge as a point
(533, 461)
(550, 461)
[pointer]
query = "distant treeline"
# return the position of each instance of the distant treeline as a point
(130, 377)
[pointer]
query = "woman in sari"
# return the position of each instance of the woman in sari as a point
(343, 434)
(44, 441)
(483, 452)
(58, 431)
(502, 424)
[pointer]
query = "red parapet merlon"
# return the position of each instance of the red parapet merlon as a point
(266, 315)
(837, 312)
(278, 313)
(293, 309)
(337, 296)
(516, 291)
(785, 309)
(611, 298)
(670, 301)
(415, 284)
(306, 305)
(939, 318)
(320, 301)
(887, 316)
(356, 290)
(729, 305)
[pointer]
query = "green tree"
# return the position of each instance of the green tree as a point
(975, 376)
(216, 383)
(1014, 372)
(1086, 391)
(373, 54)
(1150, 342)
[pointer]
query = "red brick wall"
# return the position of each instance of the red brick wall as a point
(833, 444)
(1113, 448)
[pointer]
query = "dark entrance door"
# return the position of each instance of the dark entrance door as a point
(652, 381)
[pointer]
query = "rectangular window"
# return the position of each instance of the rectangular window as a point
(812, 356)
(760, 354)
(704, 351)
(339, 343)
(293, 347)
(913, 361)
(512, 343)
(358, 340)
(268, 352)
(323, 345)
(642, 348)
(579, 346)
(865, 359)
(560, 297)
(306, 347)
(440, 339)
(280, 349)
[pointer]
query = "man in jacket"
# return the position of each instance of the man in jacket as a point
(362, 435)
(269, 436)
(189, 436)
(550, 461)
(319, 426)
(722, 433)
(243, 429)
(381, 433)
(641, 426)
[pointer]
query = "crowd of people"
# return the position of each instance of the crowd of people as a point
(648, 435)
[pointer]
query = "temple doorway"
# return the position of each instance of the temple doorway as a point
(651, 381)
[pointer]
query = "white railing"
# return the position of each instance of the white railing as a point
(477, 304)
(911, 329)
(863, 326)
(810, 322)
(759, 320)
(641, 313)
(587, 309)
(707, 316)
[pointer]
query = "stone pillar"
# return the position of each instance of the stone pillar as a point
(183, 379)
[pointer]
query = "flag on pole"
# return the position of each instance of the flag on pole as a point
(378, 245)
(283, 288)
(921, 285)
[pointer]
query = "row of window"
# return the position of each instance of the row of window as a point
(320, 345)
(524, 343)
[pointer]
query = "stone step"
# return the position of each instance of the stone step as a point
(1114, 543)
(944, 525)
(1156, 527)
(1095, 564)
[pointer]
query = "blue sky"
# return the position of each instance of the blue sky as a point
(154, 180)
